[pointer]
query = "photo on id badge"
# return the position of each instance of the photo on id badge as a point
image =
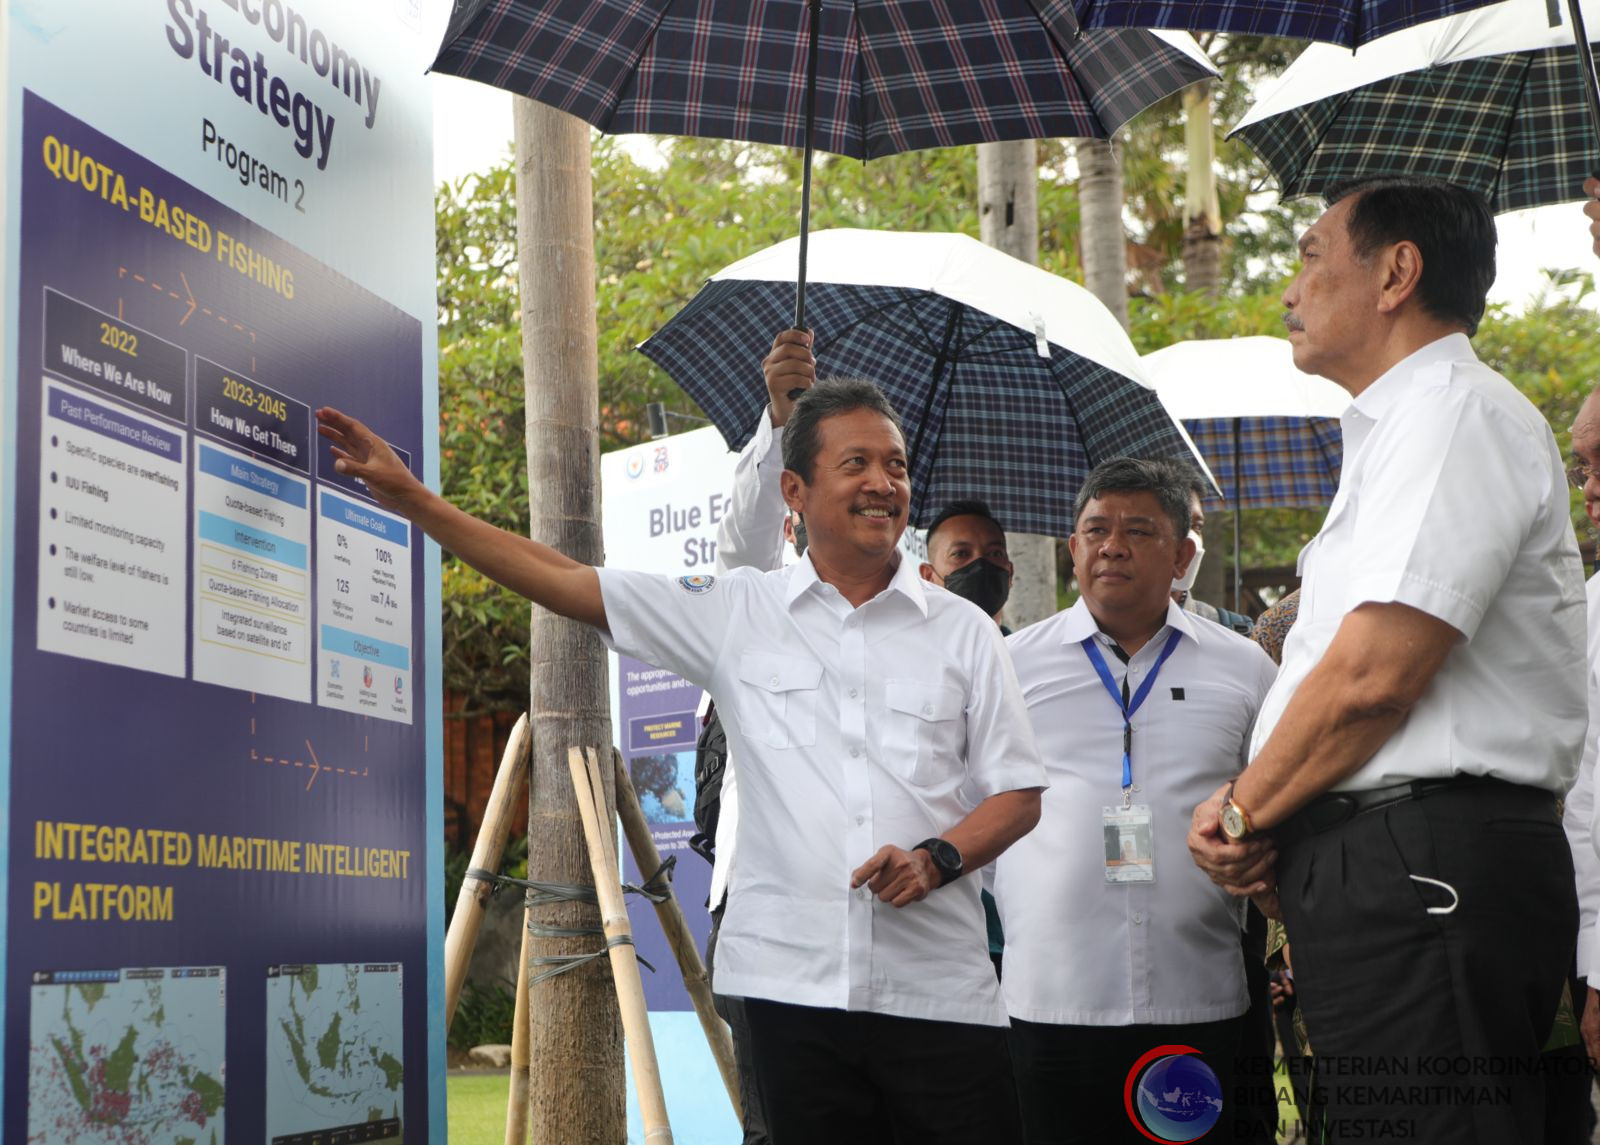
(1130, 844)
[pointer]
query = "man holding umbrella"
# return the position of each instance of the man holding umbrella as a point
(1430, 705)
(860, 707)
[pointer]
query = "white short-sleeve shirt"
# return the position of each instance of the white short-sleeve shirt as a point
(1080, 951)
(853, 728)
(1453, 501)
(750, 535)
(1578, 812)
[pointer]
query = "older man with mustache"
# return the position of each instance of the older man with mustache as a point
(1401, 795)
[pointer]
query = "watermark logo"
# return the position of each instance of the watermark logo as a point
(1172, 1096)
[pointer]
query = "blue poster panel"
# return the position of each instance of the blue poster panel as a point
(220, 671)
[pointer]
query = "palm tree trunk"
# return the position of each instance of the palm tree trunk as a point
(1104, 238)
(1008, 218)
(575, 1039)
(1202, 212)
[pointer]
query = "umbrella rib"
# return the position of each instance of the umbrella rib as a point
(1505, 146)
(906, 298)
(952, 330)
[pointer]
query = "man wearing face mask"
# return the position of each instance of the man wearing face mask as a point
(1182, 585)
(967, 556)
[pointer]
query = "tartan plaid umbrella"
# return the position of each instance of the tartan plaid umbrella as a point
(870, 77)
(1349, 23)
(1496, 101)
(1269, 431)
(892, 75)
(1013, 383)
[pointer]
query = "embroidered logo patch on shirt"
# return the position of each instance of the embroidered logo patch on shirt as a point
(1177, 693)
(699, 582)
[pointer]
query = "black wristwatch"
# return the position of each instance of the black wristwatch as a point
(946, 858)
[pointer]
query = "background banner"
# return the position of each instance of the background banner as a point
(217, 744)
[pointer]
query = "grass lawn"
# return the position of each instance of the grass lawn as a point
(477, 1109)
(477, 1113)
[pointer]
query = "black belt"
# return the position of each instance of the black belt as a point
(1329, 811)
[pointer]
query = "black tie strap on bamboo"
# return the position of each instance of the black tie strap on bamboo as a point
(541, 894)
(561, 963)
(658, 887)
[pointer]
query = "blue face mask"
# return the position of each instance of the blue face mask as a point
(983, 582)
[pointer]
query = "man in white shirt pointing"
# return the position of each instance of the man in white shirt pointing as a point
(860, 703)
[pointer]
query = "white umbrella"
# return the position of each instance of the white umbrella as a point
(1268, 430)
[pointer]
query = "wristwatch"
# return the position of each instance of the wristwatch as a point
(946, 858)
(1235, 819)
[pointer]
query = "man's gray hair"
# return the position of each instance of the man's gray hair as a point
(801, 434)
(1170, 481)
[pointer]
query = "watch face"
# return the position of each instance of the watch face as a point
(946, 858)
(1233, 824)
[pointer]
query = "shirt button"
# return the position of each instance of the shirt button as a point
(1137, 918)
(855, 752)
(774, 681)
(860, 819)
(927, 709)
(852, 693)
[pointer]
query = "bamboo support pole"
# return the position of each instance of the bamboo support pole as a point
(598, 830)
(517, 1100)
(486, 851)
(676, 928)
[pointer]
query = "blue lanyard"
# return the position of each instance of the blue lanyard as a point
(1091, 648)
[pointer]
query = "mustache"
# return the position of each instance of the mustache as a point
(1291, 321)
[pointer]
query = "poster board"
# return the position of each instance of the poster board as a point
(219, 674)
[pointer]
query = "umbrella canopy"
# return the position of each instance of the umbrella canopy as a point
(1012, 382)
(1269, 431)
(1349, 23)
(1494, 101)
(891, 76)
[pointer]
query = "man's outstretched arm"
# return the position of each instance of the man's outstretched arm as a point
(535, 571)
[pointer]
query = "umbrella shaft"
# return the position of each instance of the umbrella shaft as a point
(1591, 87)
(814, 15)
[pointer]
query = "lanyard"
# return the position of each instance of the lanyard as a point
(1128, 708)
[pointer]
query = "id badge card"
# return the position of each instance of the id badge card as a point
(1130, 844)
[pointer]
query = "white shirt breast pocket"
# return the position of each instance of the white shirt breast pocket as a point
(925, 730)
(777, 701)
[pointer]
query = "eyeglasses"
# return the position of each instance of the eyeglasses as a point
(1579, 474)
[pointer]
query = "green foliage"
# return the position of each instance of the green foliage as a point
(482, 462)
(1259, 231)
(484, 1016)
(1551, 352)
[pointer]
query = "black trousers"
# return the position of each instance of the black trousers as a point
(731, 1009)
(833, 1077)
(1431, 938)
(1070, 1078)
